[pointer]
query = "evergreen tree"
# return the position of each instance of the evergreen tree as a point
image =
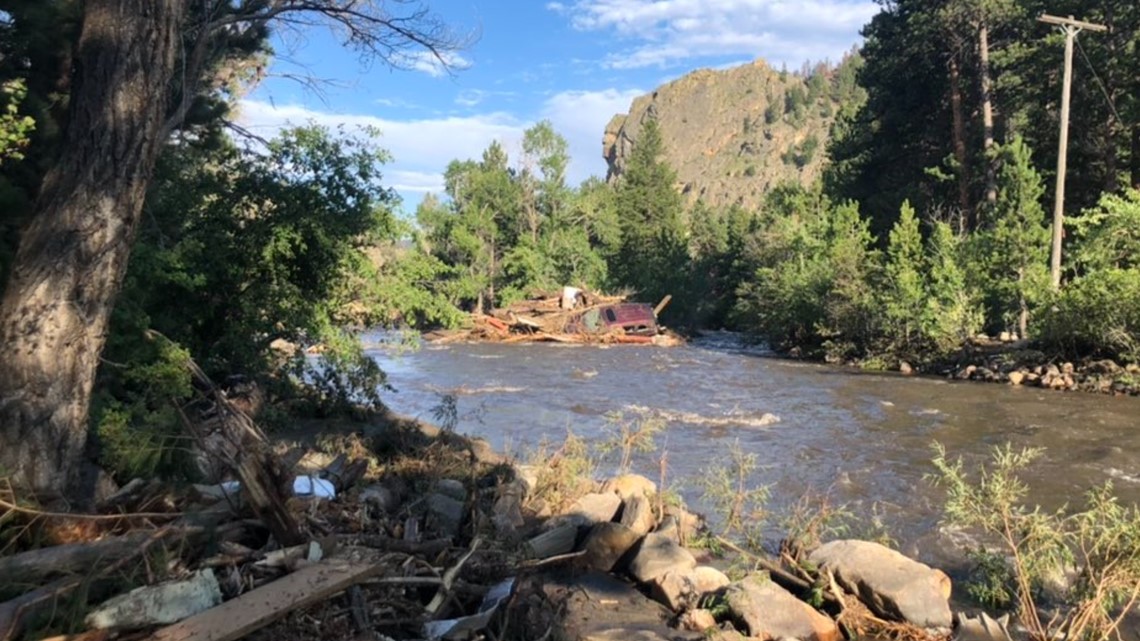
(653, 255)
(905, 294)
(1015, 245)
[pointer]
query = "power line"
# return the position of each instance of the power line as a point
(1099, 83)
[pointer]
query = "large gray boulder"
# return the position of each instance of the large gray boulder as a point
(771, 612)
(658, 554)
(891, 584)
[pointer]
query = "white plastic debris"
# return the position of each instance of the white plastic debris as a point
(453, 628)
(161, 604)
(313, 486)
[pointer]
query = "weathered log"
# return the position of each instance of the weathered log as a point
(254, 610)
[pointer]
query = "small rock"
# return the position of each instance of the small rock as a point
(697, 620)
(606, 544)
(1006, 337)
(446, 512)
(771, 612)
(637, 515)
(905, 368)
(588, 510)
(628, 485)
(656, 555)
(506, 513)
(681, 590)
(452, 488)
(1067, 368)
(161, 604)
(680, 524)
(1016, 378)
(528, 474)
(381, 497)
(891, 584)
(981, 628)
(709, 579)
(675, 590)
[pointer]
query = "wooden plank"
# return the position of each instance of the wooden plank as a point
(256, 609)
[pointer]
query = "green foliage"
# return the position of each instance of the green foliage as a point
(135, 414)
(728, 489)
(629, 436)
(15, 129)
(238, 249)
(905, 295)
(1098, 314)
(953, 311)
(653, 255)
(1108, 236)
(1012, 249)
(1100, 540)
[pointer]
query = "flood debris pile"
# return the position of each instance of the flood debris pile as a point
(570, 316)
(397, 530)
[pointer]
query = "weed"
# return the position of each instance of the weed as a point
(1102, 540)
(726, 488)
(628, 436)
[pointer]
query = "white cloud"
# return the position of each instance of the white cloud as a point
(422, 148)
(665, 32)
(581, 117)
(433, 65)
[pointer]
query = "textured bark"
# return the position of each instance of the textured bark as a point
(987, 111)
(959, 123)
(55, 310)
(1135, 160)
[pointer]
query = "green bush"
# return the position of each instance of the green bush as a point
(1097, 314)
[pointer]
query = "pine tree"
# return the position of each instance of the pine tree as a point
(905, 293)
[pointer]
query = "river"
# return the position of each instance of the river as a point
(863, 438)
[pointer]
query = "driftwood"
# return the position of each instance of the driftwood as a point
(31, 567)
(256, 609)
(264, 481)
(13, 612)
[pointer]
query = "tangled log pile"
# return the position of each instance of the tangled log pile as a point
(548, 318)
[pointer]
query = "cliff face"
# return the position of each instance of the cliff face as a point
(733, 134)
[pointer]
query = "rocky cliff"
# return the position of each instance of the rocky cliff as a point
(733, 134)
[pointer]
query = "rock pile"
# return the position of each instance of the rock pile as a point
(618, 550)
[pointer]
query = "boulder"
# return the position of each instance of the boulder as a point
(446, 513)
(628, 485)
(891, 584)
(594, 508)
(771, 612)
(681, 590)
(451, 488)
(637, 515)
(606, 544)
(658, 554)
(709, 579)
(599, 607)
(679, 523)
(380, 497)
(161, 604)
(1016, 377)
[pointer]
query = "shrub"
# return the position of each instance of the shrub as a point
(1097, 314)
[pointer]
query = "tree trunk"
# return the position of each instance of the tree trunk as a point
(987, 111)
(1112, 126)
(959, 121)
(55, 310)
(1134, 162)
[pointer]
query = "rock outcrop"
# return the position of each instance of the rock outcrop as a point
(733, 134)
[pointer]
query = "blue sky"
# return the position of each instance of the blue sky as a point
(574, 62)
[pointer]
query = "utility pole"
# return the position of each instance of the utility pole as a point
(1070, 27)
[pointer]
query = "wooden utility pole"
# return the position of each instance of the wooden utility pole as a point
(1070, 27)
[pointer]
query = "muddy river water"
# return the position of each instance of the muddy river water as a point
(863, 438)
